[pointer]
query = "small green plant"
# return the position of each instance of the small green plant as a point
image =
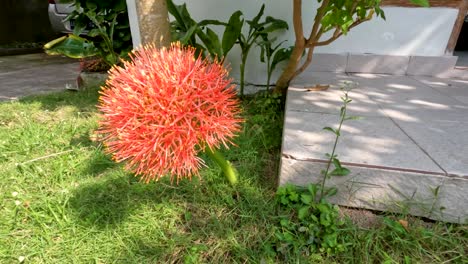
(108, 35)
(268, 111)
(271, 55)
(338, 170)
(308, 223)
(257, 29)
(187, 31)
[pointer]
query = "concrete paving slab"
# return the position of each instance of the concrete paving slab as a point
(457, 89)
(410, 100)
(299, 99)
(445, 141)
(371, 140)
(35, 73)
(387, 190)
(309, 79)
(374, 63)
(430, 65)
(388, 85)
(411, 141)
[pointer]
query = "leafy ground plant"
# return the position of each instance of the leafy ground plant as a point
(63, 200)
(308, 223)
(257, 29)
(108, 32)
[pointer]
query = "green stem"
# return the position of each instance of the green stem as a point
(269, 72)
(229, 171)
(332, 156)
(242, 74)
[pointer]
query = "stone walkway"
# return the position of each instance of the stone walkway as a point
(409, 152)
(35, 73)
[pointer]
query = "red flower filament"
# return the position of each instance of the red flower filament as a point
(163, 107)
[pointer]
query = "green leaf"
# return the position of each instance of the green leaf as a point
(273, 24)
(232, 31)
(294, 196)
(281, 55)
(188, 35)
(307, 198)
(254, 21)
(331, 130)
(312, 189)
(336, 162)
(340, 172)
(214, 22)
(211, 41)
(181, 15)
(94, 32)
(325, 219)
(330, 192)
(72, 46)
(331, 240)
(353, 118)
(424, 3)
(303, 212)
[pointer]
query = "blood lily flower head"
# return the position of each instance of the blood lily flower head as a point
(163, 107)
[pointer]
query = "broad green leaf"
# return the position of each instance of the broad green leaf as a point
(215, 45)
(71, 46)
(281, 55)
(232, 31)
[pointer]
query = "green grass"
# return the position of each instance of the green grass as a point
(62, 200)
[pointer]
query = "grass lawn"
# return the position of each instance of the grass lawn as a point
(62, 200)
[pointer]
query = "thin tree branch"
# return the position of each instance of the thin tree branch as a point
(318, 18)
(338, 32)
(310, 54)
(297, 20)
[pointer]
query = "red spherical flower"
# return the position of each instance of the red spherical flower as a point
(163, 107)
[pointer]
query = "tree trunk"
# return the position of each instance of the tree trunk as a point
(290, 71)
(153, 22)
(299, 47)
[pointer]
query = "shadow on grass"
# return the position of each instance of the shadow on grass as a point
(105, 202)
(85, 100)
(210, 214)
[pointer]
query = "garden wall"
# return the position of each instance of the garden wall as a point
(406, 31)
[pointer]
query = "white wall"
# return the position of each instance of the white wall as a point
(407, 31)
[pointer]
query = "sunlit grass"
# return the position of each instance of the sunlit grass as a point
(62, 200)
